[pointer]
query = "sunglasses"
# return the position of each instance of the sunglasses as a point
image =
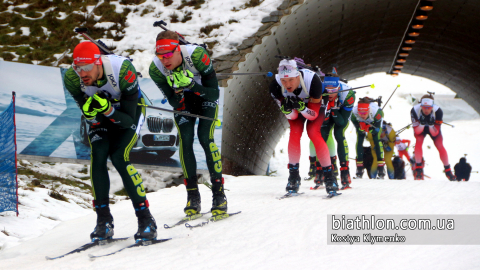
(166, 55)
(85, 68)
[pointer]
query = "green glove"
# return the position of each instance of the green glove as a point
(100, 104)
(88, 111)
(181, 79)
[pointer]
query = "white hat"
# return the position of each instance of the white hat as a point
(288, 69)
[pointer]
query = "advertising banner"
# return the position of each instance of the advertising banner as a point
(49, 122)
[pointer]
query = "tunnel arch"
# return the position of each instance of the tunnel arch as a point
(360, 37)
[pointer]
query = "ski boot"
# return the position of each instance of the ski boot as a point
(313, 168)
(331, 184)
(449, 174)
(333, 160)
(194, 205)
(104, 228)
(319, 179)
(147, 228)
(345, 175)
(219, 203)
(360, 168)
(381, 170)
(418, 175)
(294, 179)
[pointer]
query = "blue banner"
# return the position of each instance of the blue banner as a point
(8, 168)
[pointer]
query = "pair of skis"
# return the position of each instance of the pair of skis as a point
(143, 242)
(295, 194)
(106, 242)
(201, 224)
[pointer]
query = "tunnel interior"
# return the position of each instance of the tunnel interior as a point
(359, 37)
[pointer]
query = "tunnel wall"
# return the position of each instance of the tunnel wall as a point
(359, 37)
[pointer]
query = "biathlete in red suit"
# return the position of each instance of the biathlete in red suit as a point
(426, 120)
(402, 147)
(298, 93)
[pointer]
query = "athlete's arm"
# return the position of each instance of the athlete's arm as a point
(72, 83)
(276, 93)
(340, 116)
(209, 90)
(417, 128)
(435, 129)
(311, 112)
(161, 81)
(128, 83)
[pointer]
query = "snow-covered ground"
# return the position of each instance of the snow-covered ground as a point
(269, 233)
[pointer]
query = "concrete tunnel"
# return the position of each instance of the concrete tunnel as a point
(360, 37)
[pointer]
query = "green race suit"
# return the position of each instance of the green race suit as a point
(201, 99)
(113, 135)
(337, 119)
(374, 125)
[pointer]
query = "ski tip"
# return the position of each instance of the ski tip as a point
(166, 226)
(48, 258)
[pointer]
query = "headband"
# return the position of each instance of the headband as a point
(165, 45)
(427, 102)
(363, 107)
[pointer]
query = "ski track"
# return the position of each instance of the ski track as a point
(268, 234)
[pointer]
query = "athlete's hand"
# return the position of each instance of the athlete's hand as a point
(88, 111)
(183, 79)
(364, 126)
(298, 104)
(422, 119)
(101, 104)
(431, 120)
(286, 107)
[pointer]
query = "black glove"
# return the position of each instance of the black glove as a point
(286, 105)
(297, 103)
(431, 120)
(422, 119)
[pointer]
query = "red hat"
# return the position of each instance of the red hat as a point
(86, 53)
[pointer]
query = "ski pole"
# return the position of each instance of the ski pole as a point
(84, 32)
(403, 129)
(217, 121)
(448, 124)
(390, 96)
(355, 88)
(268, 74)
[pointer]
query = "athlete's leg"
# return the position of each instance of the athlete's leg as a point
(342, 144)
(99, 145)
(418, 147)
(296, 130)
(185, 127)
(389, 164)
(121, 143)
(373, 169)
(438, 141)
(313, 131)
(205, 133)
